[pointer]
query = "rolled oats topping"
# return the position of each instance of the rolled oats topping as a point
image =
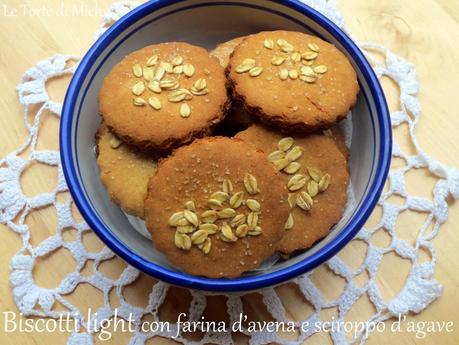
(220, 218)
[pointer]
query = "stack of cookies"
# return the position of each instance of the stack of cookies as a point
(232, 155)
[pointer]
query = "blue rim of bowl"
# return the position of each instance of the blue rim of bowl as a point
(244, 283)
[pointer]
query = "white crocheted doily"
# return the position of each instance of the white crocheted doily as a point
(418, 291)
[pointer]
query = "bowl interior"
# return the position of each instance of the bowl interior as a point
(204, 24)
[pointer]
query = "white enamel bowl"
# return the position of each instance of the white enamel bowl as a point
(207, 23)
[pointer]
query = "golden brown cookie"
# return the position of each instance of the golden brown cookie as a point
(216, 208)
(224, 50)
(338, 136)
(317, 177)
(124, 171)
(292, 80)
(164, 95)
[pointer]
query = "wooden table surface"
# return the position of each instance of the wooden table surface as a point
(423, 31)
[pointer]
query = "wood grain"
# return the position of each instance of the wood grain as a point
(423, 31)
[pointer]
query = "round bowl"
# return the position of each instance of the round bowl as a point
(207, 23)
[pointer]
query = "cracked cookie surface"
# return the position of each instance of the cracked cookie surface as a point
(292, 80)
